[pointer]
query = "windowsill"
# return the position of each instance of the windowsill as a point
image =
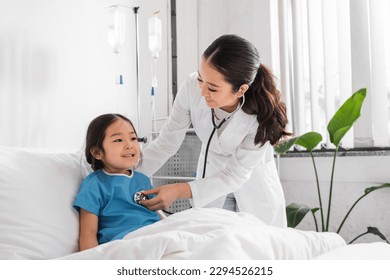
(323, 152)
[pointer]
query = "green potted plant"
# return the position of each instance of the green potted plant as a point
(337, 127)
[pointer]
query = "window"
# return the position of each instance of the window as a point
(328, 50)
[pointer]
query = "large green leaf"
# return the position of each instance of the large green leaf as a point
(308, 141)
(344, 118)
(295, 213)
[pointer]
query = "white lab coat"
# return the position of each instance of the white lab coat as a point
(234, 163)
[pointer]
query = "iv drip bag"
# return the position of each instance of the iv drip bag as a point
(155, 30)
(116, 28)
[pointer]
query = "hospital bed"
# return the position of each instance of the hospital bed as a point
(37, 221)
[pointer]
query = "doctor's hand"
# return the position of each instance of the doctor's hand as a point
(166, 195)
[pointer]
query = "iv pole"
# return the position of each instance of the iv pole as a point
(135, 9)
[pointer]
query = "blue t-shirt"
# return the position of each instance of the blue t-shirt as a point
(111, 198)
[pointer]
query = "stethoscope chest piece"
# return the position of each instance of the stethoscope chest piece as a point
(139, 196)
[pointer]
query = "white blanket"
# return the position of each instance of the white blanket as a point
(359, 251)
(202, 233)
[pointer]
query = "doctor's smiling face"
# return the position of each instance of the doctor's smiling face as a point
(217, 92)
(120, 150)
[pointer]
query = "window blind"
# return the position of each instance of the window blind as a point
(328, 50)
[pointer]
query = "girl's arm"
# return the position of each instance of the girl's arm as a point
(88, 230)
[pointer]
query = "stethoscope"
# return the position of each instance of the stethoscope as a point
(218, 127)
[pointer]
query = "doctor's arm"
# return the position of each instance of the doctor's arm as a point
(203, 191)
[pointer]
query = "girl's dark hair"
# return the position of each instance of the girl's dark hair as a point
(95, 135)
(239, 62)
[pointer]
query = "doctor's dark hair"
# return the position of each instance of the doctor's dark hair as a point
(239, 62)
(95, 135)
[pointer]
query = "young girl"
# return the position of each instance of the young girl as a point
(106, 197)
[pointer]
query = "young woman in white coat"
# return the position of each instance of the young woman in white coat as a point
(237, 113)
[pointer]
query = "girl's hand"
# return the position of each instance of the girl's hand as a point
(166, 195)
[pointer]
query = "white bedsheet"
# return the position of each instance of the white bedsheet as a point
(359, 251)
(201, 233)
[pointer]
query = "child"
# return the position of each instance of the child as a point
(106, 197)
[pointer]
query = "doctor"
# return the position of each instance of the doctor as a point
(237, 113)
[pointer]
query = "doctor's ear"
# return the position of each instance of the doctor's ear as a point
(96, 153)
(243, 88)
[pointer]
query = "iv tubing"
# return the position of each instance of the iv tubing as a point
(153, 92)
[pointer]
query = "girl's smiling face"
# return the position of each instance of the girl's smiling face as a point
(121, 150)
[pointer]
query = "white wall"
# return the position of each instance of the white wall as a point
(57, 70)
(200, 22)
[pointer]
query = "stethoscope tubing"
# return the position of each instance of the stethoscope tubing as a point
(215, 127)
(211, 136)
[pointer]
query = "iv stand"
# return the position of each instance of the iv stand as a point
(135, 9)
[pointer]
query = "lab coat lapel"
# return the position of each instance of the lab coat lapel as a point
(235, 131)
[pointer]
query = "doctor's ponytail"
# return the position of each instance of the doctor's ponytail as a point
(263, 99)
(239, 62)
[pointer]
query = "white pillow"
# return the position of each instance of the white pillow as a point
(37, 189)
